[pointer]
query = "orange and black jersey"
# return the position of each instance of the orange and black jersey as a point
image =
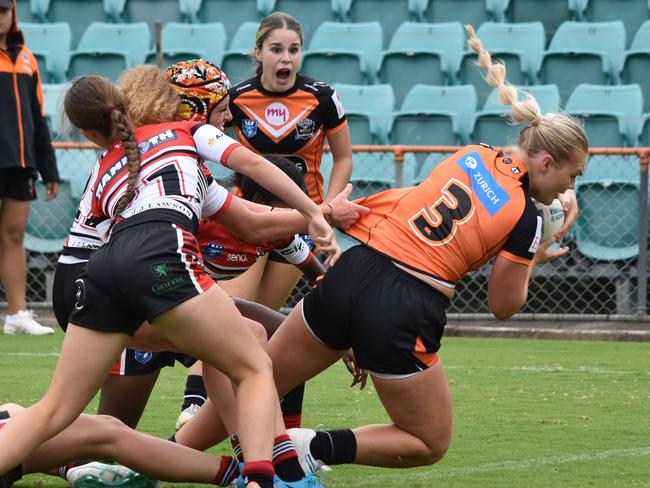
(24, 135)
(471, 207)
(292, 123)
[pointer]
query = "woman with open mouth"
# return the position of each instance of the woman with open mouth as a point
(279, 111)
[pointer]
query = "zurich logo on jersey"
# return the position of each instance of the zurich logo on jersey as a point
(249, 127)
(213, 250)
(143, 357)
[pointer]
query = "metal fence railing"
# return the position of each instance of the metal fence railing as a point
(604, 277)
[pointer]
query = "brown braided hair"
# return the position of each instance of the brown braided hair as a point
(95, 103)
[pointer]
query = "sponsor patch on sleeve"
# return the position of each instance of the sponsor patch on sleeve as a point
(489, 193)
(339, 106)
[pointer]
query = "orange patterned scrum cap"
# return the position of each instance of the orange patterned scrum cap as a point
(201, 85)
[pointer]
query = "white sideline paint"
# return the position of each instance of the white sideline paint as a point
(436, 474)
(526, 369)
(544, 369)
(32, 354)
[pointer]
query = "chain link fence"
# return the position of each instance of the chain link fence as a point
(605, 276)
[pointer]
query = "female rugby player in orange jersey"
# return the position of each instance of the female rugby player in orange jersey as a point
(280, 111)
(386, 298)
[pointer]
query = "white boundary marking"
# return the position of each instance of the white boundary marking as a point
(543, 369)
(30, 354)
(436, 474)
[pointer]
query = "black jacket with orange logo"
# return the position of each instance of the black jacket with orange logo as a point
(24, 135)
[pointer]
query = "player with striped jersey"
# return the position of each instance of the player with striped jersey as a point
(148, 197)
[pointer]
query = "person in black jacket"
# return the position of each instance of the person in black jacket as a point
(26, 149)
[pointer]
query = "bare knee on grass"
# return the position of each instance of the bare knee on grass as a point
(105, 434)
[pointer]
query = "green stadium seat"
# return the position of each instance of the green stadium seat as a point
(344, 241)
(631, 12)
(220, 173)
(389, 13)
(551, 13)
(189, 10)
(636, 64)
(644, 130)
(429, 162)
(474, 12)
(371, 172)
(49, 223)
(310, 13)
(24, 12)
(326, 165)
(181, 42)
(39, 9)
(53, 106)
(611, 113)
(51, 43)
(78, 13)
(75, 166)
(369, 109)
(107, 49)
(148, 11)
(582, 52)
(237, 63)
(435, 115)
(232, 13)
(520, 46)
(492, 124)
(422, 53)
(344, 52)
(608, 198)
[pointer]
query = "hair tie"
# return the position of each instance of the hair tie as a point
(110, 109)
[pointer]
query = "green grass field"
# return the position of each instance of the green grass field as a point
(527, 413)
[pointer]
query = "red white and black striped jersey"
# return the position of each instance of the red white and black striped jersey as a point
(84, 236)
(226, 256)
(170, 178)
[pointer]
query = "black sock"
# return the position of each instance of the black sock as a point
(194, 391)
(11, 476)
(334, 446)
(292, 402)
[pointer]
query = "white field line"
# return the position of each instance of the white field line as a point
(436, 474)
(543, 369)
(30, 354)
(525, 369)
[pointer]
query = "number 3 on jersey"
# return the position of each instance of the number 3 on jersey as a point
(438, 224)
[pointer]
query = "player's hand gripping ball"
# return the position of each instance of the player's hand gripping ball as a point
(552, 218)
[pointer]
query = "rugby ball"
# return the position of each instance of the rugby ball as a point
(552, 217)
